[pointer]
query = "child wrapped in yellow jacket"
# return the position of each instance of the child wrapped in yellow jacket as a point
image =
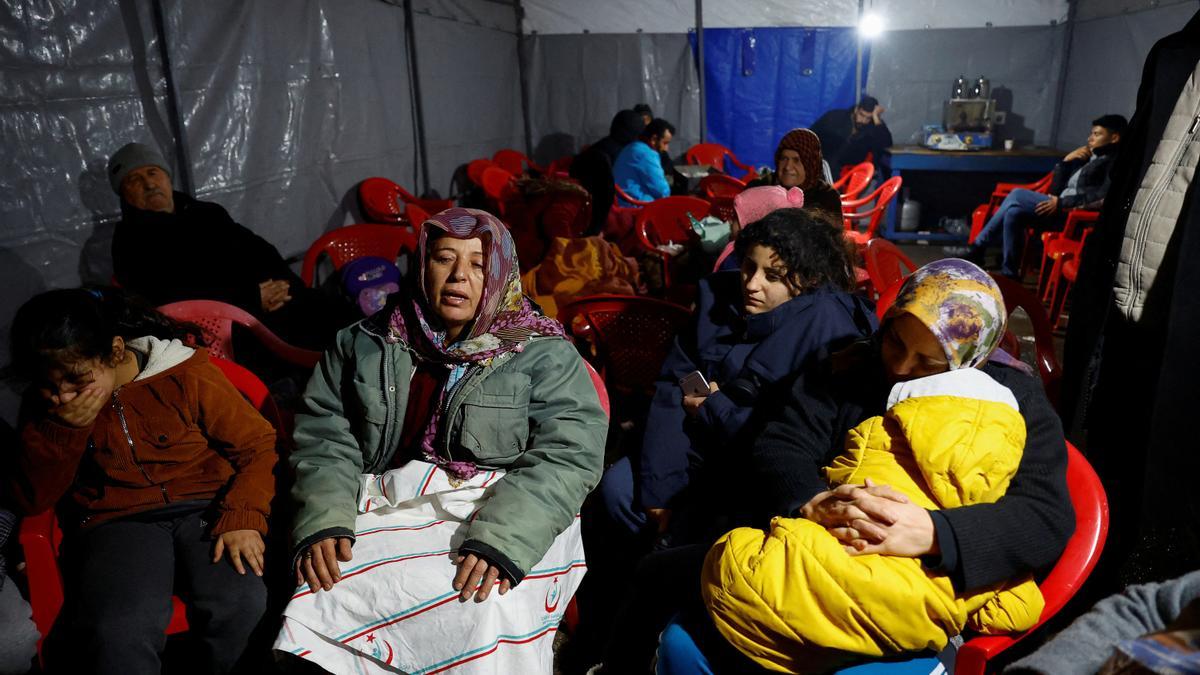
(793, 600)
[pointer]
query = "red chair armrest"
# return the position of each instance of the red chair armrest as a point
(622, 194)
(740, 164)
(973, 656)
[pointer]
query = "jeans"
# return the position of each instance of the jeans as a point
(18, 639)
(118, 581)
(1009, 220)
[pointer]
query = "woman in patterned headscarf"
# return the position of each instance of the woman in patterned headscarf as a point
(949, 315)
(458, 420)
(798, 164)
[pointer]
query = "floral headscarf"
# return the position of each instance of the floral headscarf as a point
(504, 322)
(962, 306)
(505, 319)
(808, 146)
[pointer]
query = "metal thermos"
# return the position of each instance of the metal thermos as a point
(960, 87)
(982, 88)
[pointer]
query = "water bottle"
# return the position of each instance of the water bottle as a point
(697, 226)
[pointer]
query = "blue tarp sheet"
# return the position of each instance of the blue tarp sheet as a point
(762, 82)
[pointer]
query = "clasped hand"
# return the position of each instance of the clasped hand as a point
(873, 518)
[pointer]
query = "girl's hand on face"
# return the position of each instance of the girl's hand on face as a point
(242, 545)
(80, 409)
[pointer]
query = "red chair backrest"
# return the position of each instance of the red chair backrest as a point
(415, 215)
(475, 170)
(712, 154)
(1016, 295)
(665, 220)
(882, 198)
(853, 182)
(511, 161)
(601, 390)
(497, 182)
(380, 199)
(41, 537)
(1072, 569)
(719, 185)
(887, 297)
(216, 319)
(630, 336)
(356, 241)
(886, 263)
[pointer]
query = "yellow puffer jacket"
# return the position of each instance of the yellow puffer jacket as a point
(793, 600)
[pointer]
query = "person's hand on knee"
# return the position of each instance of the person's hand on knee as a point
(242, 545)
(318, 564)
(477, 576)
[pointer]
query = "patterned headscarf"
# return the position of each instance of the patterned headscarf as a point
(962, 306)
(805, 142)
(505, 320)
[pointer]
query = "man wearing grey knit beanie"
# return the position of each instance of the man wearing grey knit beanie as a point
(170, 247)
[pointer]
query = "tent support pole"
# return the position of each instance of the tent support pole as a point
(410, 34)
(700, 65)
(858, 41)
(1061, 92)
(181, 155)
(522, 71)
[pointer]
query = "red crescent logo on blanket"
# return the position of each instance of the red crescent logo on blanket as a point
(552, 596)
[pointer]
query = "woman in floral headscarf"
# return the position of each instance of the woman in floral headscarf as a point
(948, 317)
(456, 425)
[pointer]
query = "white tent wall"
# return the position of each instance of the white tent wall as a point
(470, 82)
(912, 72)
(1109, 44)
(578, 82)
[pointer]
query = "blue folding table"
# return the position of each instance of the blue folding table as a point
(1035, 161)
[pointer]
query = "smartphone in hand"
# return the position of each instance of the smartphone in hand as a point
(694, 384)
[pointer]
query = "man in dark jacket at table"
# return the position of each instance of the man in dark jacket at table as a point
(1080, 179)
(849, 134)
(170, 247)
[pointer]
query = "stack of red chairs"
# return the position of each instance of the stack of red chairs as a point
(879, 200)
(855, 180)
(381, 201)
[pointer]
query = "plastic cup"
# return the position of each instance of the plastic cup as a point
(1008, 144)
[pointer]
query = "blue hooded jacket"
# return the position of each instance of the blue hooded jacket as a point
(744, 354)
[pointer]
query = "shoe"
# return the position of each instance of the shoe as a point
(976, 254)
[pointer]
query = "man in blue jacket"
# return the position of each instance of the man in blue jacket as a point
(639, 170)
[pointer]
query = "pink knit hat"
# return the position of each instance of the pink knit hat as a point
(753, 204)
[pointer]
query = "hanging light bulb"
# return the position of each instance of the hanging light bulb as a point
(870, 26)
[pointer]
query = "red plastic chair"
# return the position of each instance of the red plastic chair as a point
(665, 221)
(717, 185)
(887, 298)
(629, 336)
(41, 537)
(622, 195)
(475, 169)
(515, 162)
(381, 199)
(561, 167)
(415, 215)
(853, 182)
(886, 264)
(217, 319)
(1066, 269)
(1016, 295)
(715, 155)
(882, 197)
(356, 241)
(1055, 244)
(1072, 569)
(499, 185)
(983, 212)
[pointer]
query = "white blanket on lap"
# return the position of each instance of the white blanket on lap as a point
(394, 610)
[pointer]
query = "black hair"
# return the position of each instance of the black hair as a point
(657, 127)
(626, 127)
(643, 109)
(72, 324)
(868, 103)
(811, 247)
(1116, 124)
